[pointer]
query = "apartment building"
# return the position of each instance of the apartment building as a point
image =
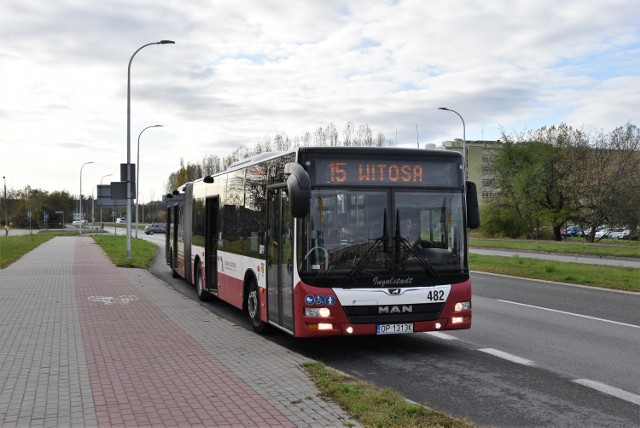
(480, 155)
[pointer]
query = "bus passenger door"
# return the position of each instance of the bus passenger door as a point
(172, 232)
(211, 244)
(279, 258)
(167, 237)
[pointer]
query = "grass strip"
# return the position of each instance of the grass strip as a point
(142, 252)
(618, 278)
(14, 247)
(577, 246)
(373, 406)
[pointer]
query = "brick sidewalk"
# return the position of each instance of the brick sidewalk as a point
(84, 343)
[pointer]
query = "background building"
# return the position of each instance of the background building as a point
(479, 158)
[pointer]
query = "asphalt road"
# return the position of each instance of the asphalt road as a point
(578, 332)
(538, 354)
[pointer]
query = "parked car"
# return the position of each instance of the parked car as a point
(78, 222)
(619, 233)
(602, 232)
(120, 220)
(573, 231)
(152, 228)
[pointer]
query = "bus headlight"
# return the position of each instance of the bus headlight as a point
(317, 312)
(462, 306)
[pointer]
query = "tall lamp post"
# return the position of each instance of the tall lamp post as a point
(138, 173)
(161, 42)
(464, 139)
(108, 175)
(6, 218)
(80, 202)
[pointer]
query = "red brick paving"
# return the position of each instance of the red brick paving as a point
(144, 370)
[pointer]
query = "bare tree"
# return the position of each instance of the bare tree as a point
(211, 165)
(604, 178)
(331, 135)
(318, 137)
(364, 136)
(321, 137)
(348, 134)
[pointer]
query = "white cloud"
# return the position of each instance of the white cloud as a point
(242, 70)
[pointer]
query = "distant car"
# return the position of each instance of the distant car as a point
(150, 229)
(573, 231)
(120, 220)
(619, 233)
(78, 222)
(602, 232)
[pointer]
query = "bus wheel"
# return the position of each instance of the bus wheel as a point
(174, 272)
(202, 294)
(253, 308)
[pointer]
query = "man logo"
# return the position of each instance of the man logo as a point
(404, 309)
(393, 291)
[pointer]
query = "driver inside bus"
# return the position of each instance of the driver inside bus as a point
(406, 230)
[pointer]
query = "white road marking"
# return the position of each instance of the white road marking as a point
(610, 390)
(442, 336)
(507, 356)
(570, 313)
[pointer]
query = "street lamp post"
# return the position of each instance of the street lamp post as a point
(464, 139)
(138, 173)
(161, 42)
(93, 205)
(108, 175)
(6, 218)
(80, 204)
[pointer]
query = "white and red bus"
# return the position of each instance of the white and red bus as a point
(316, 241)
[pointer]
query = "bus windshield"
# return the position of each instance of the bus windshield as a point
(385, 237)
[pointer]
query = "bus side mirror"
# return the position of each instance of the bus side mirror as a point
(299, 186)
(473, 209)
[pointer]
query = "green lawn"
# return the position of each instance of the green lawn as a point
(605, 248)
(617, 278)
(14, 247)
(142, 252)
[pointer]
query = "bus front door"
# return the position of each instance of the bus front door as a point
(279, 258)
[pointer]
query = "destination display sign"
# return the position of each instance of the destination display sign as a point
(386, 172)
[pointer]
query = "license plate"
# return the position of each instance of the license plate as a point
(394, 328)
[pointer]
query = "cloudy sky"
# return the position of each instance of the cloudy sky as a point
(243, 70)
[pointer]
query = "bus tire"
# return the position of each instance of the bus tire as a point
(253, 308)
(203, 295)
(174, 272)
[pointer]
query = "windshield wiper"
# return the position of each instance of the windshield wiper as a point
(384, 240)
(404, 243)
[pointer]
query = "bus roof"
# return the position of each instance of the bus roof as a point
(382, 151)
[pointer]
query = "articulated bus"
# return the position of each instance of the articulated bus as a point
(329, 241)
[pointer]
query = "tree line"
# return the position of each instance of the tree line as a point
(352, 135)
(38, 209)
(559, 175)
